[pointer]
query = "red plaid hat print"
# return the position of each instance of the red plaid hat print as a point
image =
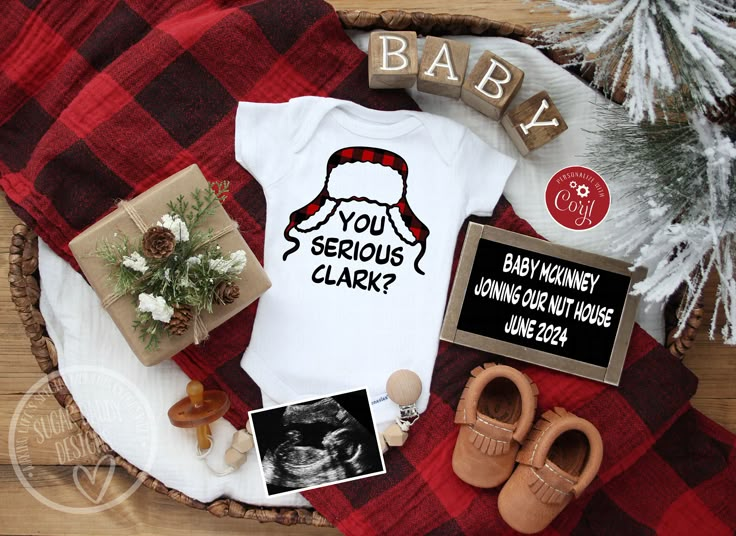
(407, 226)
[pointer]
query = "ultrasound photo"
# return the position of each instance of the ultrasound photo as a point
(317, 443)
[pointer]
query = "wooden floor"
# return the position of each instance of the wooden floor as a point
(147, 512)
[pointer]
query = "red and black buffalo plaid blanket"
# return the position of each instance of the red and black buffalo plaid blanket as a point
(100, 100)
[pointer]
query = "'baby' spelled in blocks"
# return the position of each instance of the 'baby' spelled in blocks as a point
(392, 60)
(442, 69)
(533, 123)
(491, 85)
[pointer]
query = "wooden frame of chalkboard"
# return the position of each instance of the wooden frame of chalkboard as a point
(601, 321)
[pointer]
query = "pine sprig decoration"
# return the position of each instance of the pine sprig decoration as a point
(679, 180)
(657, 51)
(170, 285)
(112, 252)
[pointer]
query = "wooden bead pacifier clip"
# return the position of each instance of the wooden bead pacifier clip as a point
(199, 410)
(404, 388)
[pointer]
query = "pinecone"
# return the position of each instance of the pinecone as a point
(179, 322)
(158, 242)
(723, 112)
(227, 293)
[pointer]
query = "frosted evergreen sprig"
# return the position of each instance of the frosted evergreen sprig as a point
(658, 51)
(188, 276)
(679, 180)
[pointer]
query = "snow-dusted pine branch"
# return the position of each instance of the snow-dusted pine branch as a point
(680, 181)
(656, 50)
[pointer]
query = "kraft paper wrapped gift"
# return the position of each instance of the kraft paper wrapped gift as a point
(151, 205)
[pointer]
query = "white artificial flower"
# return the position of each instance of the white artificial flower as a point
(221, 265)
(194, 261)
(238, 260)
(176, 225)
(135, 261)
(234, 264)
(156, 305)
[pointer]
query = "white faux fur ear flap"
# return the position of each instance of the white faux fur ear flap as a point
(398, 224)
(319, 217)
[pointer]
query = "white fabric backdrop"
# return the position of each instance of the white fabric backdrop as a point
(86, 336)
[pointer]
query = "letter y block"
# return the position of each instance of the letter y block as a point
(533, 123)
(392, 59)
(491, 85)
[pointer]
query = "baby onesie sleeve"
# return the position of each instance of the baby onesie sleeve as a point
(483, 171)
(262, 140)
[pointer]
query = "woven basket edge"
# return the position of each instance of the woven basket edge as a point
(430, 23)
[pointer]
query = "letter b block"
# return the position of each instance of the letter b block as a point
(533, 123)
(392, 59)
(443, 65)
(491, 85)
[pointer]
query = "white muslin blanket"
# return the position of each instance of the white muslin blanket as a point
(85, 336)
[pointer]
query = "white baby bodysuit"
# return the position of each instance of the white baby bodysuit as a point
(363, 212)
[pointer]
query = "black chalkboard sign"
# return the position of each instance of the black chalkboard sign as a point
(539, 302)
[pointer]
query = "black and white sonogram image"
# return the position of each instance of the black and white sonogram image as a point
(317, 443)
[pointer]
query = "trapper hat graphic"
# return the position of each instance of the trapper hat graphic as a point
(407, 226)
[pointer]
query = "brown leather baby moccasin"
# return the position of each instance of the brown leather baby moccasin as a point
(495, 412)
(559, 459)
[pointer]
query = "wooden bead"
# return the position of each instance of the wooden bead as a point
(395, 436)
(242, 441)
(392, 59)
(491, 85)
(443, 65)
(384, 445)
(249, 427)
(234, 458)
(404, 387)
(534, 122)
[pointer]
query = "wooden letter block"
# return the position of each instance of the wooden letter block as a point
(392, 59)
(491, 85)
(534, 122)
(443, 65)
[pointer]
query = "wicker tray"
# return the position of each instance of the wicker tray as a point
(25, 289)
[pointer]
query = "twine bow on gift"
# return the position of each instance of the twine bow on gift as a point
(200, 331)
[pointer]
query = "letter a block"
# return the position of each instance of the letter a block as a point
(534, 122)
(392, 59)
(443, 65)
(491, 85)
